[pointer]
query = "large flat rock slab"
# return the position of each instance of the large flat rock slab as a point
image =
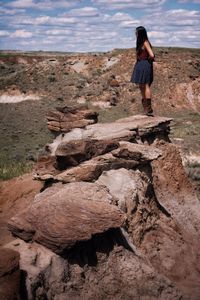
(63, 215)
(138, 152)
(127, 155)
(126, 129)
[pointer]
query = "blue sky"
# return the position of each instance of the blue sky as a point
(96, 25)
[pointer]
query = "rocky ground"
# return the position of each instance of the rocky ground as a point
(111, 214)
(135, 225)
(33, 83)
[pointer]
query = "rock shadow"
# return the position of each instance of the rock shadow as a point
(85, 252)
(23, 288)
(150, 193)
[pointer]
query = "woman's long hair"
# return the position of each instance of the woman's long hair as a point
(141, 38)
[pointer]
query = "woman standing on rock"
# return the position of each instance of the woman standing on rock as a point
(143, 69)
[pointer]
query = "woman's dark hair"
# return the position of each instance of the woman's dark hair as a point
(141, 37)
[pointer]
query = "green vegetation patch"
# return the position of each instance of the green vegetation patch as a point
(10, 169)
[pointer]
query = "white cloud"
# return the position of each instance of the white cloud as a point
(159, 34)
(58, 32)
(34, 21)
(6, 11)
(176, 27)
(119, 16)
(21, 3)
(129, 24)
(42, 20)
(120, 4)
(86, 11)
(4, 33)
(21, 34)
(42, 4)
(66, 20)
(172, 19)
(62, 21)
(28, 43)
(94, 27)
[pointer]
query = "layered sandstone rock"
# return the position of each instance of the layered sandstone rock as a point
(127, 155)
(132, 129)
(74, 152)
(90, 170)
(63, 215)
(82, 144)
(124, 218)
(65, 118)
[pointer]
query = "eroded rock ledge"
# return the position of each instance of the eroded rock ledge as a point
(94, 144)
(116, 219)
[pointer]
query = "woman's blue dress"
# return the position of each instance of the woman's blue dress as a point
(143, 69)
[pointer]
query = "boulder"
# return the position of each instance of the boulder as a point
(46, 166)
(65, 118)
(61, 216)
(16, 194)
(90, 170)
(124, 185)
(42, 268)
(138, 152)
(9, 274)
(74, 152)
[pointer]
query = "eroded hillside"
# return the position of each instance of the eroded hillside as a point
(33, 83)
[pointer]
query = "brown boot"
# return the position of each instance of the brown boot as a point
(149, 110)
(144, 104)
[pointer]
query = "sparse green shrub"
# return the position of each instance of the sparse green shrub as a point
(193, 171)
(10, 169)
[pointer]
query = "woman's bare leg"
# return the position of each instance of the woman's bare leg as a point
(147, 91)
(142, 90)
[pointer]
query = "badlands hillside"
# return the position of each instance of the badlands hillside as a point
(108, 207)
(33, 83)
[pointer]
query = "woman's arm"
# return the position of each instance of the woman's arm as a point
(149, 50)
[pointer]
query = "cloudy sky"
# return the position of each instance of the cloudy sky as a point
(97, 25)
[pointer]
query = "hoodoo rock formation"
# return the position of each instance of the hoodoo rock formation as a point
(117, 217)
